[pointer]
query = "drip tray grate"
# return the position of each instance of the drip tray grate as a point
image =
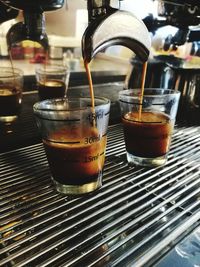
(133, 220)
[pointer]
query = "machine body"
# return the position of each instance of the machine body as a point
(7, 13)
(33, 26)
(110, 26)
(183, 14)
(104, 29)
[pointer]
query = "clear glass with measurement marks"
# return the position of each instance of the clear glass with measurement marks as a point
(74, 135)
(148, 122)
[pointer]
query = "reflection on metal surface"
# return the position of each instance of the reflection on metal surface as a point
(190, 248)
(7, 128)
(134, 219)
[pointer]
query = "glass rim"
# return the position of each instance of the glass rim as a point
(126, 92)
(38, 106)
(9, 72)
(51, 69)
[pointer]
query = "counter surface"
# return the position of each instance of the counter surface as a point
(100, 64)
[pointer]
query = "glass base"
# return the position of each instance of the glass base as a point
(77, 189)
(8, 118)
(147, 162)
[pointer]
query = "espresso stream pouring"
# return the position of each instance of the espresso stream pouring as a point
(109, 26)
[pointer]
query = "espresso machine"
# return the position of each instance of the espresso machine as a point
(140, 214)
(33, 26)
(104, 29)
(7, 13)
(184, 15)
(169, 71)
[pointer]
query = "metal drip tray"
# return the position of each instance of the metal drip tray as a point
(133, 220)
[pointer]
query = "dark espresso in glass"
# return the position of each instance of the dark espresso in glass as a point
(148, 137)
(10, 101)
(51, 89)
(74, 163)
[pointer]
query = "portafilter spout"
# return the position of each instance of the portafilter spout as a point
(109, 26)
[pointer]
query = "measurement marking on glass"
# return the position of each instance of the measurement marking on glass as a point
(66, 120)
(63, 142)
(141, 104)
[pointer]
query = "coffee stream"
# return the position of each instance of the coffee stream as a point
(13, 71)
(45, 64)
(88, 73)
(89, 76)
(144, 71)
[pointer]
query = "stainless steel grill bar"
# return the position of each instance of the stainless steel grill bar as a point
(57, 207)
(20, 150)
(122, 230)
(128, 253)
(18, 179)
(172, 236)
(36, 222)
(29, 186)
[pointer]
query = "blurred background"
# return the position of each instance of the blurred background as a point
(65, 27)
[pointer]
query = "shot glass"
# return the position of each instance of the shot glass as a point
(11, 86)
(74, 136)
(52, 81)
(148, 124)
